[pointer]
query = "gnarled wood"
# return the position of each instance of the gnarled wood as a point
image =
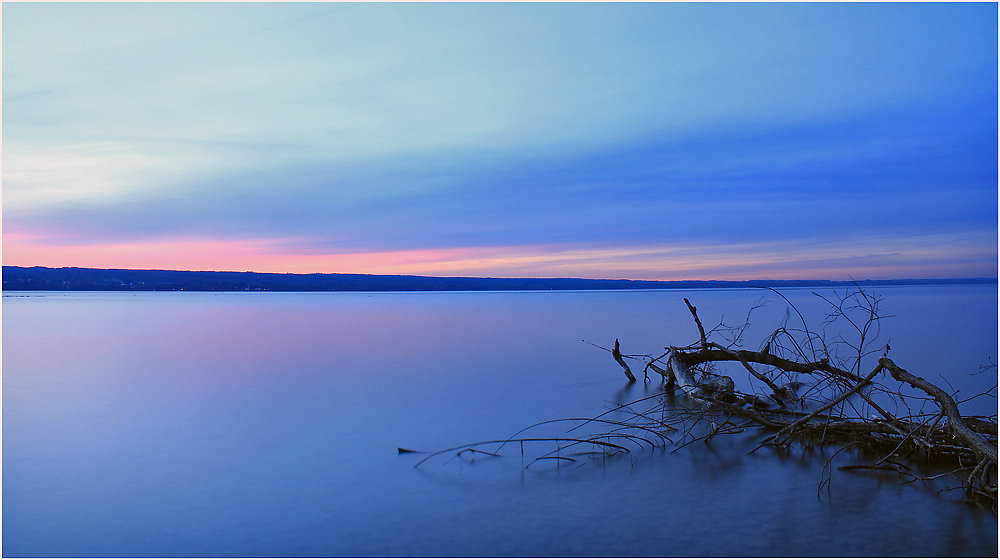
(948, 407)
(829, 416)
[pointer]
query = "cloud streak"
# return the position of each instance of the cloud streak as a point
(824, 180)
(505, 130)
(809, 259)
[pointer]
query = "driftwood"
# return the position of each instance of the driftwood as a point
(621, 361)
(984, 449)
(842, 407)
(802, 393)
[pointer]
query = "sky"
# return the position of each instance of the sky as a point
(655, 141)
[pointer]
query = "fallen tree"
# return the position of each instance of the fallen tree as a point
(840, 405)
(804, 390)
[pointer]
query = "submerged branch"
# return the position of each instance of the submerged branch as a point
(843, 407)
(948, 407)
(839, 407)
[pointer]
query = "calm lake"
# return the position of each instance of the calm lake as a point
(267, 424)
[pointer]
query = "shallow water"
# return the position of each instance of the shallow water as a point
(267, 424)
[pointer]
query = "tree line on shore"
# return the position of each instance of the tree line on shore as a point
(95, 279)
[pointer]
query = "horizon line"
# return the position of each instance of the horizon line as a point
(984, 279)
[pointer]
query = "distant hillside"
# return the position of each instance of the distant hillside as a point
(96, 279)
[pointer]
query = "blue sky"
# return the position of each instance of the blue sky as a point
(647, 141)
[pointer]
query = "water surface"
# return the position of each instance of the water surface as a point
(267, 424)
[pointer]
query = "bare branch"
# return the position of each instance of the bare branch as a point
(618, 358)
(837, 407)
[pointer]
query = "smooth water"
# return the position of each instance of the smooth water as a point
(267, 424)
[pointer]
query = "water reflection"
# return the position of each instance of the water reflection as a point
(268, 424)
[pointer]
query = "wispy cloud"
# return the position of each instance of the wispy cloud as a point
(856, 257)
(425, 130)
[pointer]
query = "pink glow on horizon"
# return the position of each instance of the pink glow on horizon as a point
(938, 258)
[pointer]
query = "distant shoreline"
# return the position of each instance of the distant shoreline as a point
(16, 278)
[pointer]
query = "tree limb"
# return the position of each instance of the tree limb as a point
(948, 406)
(621, 361)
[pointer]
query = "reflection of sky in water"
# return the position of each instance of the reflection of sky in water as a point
(266, 424)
